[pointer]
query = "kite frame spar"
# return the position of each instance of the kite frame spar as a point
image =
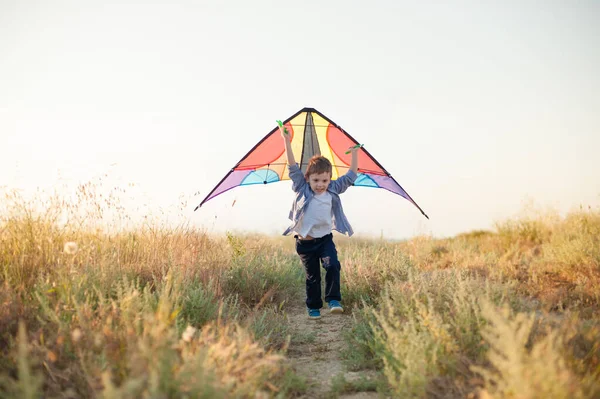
(307, 109)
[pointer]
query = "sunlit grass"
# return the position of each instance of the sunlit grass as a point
(434, 327)
(94, 309)
(151, 311)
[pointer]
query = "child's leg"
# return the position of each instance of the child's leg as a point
(332, 265)
(309, 255)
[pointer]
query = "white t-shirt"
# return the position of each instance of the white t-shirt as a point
(317, 220)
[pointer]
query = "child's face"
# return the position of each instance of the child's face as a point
(319, 182)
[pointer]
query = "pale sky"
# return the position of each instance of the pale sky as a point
(474, 109)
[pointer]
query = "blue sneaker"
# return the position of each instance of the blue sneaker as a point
(314, 314)
(335, 307)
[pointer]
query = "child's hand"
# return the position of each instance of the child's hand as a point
(354, 162)
(287, 139)
(284, 133)
(354, 148)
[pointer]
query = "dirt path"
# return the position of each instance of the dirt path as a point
(317, 353)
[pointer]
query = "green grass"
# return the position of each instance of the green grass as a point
(435, 327)
(90, 310)
(340, 385)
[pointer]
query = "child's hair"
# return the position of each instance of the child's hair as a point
(318, 164)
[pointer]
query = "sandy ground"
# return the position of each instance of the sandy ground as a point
(318, 355)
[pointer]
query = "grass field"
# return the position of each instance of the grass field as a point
(89, 311)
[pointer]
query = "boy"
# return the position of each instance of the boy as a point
(317, 210)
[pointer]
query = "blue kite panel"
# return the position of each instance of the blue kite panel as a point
(259, 177)
(365, 181)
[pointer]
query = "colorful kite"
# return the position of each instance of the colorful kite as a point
(312, 134)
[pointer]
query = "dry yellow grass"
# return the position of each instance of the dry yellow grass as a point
(92, 309)
(431, 323)
(149, 311)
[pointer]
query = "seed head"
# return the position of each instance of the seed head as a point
(76, 335)
(188, 334)
(70, 248)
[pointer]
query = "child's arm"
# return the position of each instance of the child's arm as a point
(341, 184)
(298, 180)
(288, 146)
(354, 162)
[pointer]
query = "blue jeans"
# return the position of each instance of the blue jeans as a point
(314, 253)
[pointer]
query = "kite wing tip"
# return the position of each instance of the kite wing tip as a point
(425, 215)
(196, 208)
